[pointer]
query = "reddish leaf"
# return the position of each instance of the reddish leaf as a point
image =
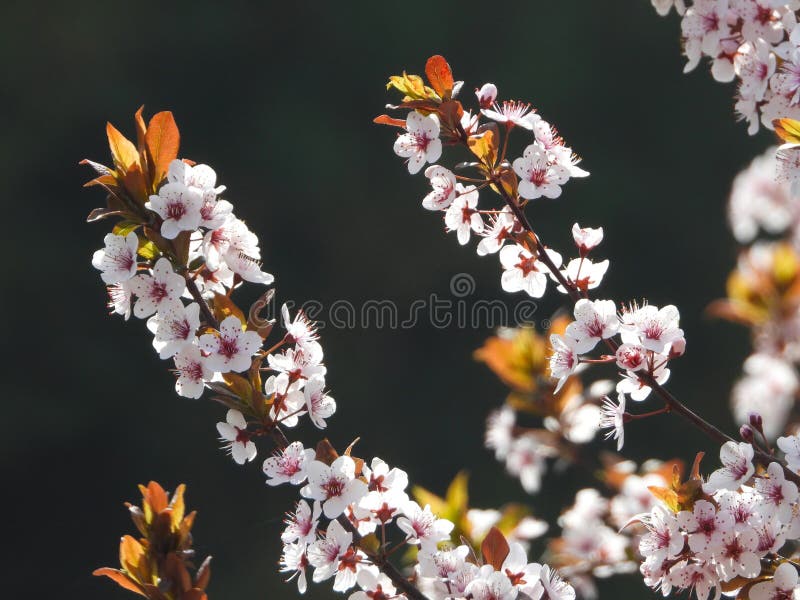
(163, 140)
(141, 130)
(326, 453)
(440, 76)
(120, 578)
(494, 548)
(387, 120)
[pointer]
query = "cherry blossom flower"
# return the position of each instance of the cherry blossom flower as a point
(117, 260)
(538, 177)
(613, 418)
(631, 357)
(288, 401)
(119, 298)
(522, 574)
(585, 274)
(586, 238)
(326, 553)
(754, 64)
(783, 585)
(778, 495)
(299, 331)
(487, 94)
(700, 577)
(651, 327)
(335, 485)
(511, 113)
(192, 372)
(491, 585)
(705, 526)
(232, 348)
(595, 320)
(462, 216)
(663, 539)
(757, 200)
(501, 227)
(162, 288)
(788, 170)
(373, 587)
(523, 271)
(179, 207)
(288, 465)
(526, 460)
(199, 177)
(421, 144)
(555, 588)
(790, 445)
(738, 554)
(174, 327)
(299, 363)
(563, 360)
(499, 432)
(664, 6)
(636, 388)
(236, 437)
(422, 527)
(295, 561)
(319, 404)
(737, 461)
(443, 182)
(302, 524)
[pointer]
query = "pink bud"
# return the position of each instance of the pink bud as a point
(586, 238)
(486, 95)
(677, 348)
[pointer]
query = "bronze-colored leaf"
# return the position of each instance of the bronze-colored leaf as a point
(440, 76)
(326, 453)
(120, 578)
(387, 120)
(495, 548)
(163, 141)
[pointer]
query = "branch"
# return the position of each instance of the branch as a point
(380, 561)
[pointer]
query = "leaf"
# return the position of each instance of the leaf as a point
(225, 307)
(120, 578)
(788, 130)
(123, 228)
(457, 493)
(99, 168)
(255, 322)
(148, 250)
(440, 76)
(387, 120)
(412, 86)
(123, 151)
(102, 213)
(141, 130)
(370, 543)
(131, 553)
(203, 574)
(326, 453)
(484, 146)
(239, 385)
(162, 140)
(495, 548)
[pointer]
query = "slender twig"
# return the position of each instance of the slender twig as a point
(647, 378)
(198, 297)
(380, 560)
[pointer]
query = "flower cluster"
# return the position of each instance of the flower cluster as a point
(728, 533)
(754, 42)
(341, 529)
(764, 290)
(596, 540)
(546, 163)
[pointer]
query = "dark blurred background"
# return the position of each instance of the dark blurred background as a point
(279, 99)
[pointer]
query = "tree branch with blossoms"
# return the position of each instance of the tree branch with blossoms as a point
(650, 337)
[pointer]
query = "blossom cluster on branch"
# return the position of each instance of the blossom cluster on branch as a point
(755, 43)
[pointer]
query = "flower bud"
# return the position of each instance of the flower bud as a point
(746, 433)
(486, 95)
(586, 238)
(756, 422)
